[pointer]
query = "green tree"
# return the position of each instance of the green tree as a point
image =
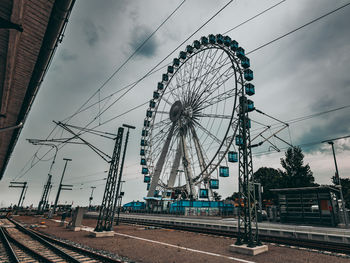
(345, 184)
(296, 174)
(269, 178)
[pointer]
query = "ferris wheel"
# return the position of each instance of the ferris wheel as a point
(190, 133)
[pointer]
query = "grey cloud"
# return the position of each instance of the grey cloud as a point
(139, 34)
(66, 55)
(91, 33)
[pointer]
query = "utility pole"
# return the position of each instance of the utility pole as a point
(338, 184)
(120, 202)
(47, 187)
(122, 163)
(22, 185)
(61, 185)
(92, 192)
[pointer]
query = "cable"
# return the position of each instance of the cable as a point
(257, 15)
(130, 57)
(298, 28)
(108, 79)
(303, 145)
(252, 51)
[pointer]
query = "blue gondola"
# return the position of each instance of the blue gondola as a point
(156, 193)
(146, 123)
(245, 62)
(197, 44)
(189, 49)
(142, 152)
(152, 104)
(212, 39)
(214, 184)
(250, 104)
(223, 171)
(168, 193)
(176, 62)
(248, 74)
(234, 45)
(155, 95)
(143, 161)
(232, 157)
(220, 39)
(227, 41)
(146, 179)
(160, 85)
(170, 69)
(144, 170)
(204, 41)
(239, 140)
(143, 142)
(165, 77)
(149, 114)
(183, 54)
(249, 89)
(148, 185)
(240, 52)
(144, 133)
(203, 193)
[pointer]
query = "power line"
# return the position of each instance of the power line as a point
(130, 57)
(254, 50)
(257, 15)
(156, 70)
(298, 28)
(146, 75)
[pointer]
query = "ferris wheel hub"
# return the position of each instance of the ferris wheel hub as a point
(176, 111)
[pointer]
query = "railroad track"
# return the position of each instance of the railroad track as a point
(312, 244)
(20, 244)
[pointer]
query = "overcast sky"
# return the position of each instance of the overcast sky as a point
(302, 74)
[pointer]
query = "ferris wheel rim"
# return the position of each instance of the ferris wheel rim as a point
(238, 84)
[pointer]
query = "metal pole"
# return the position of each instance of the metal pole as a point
(92, 192)
(345, 216)
(122, 163)
(60, 186)
(120, 203)
(20, 198)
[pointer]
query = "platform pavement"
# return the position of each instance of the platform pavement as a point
(319, 233)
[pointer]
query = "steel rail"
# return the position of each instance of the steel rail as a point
(44, 242)
(26, 249)
(80, 250)
(11, 254)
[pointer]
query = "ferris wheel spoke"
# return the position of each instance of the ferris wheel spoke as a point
(186, 163)
(219, 116)
(200, 154)
(220, 97)
(192, 90)
(160, 162)
(213, 72)
(175, 166)
(200, 99)
(209, 133)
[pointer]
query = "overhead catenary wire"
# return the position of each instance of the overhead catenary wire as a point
(103, 84)
(252, 51)
(130, 57)
(162, 67)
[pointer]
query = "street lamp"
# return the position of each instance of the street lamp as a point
(338, 184)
